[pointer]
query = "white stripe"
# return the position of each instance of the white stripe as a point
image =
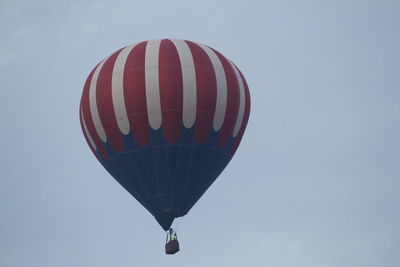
(87, 132)
(153, 84)
(93, 104)
(117, 85)
(189, 82)
(220, 108)
(239, 118)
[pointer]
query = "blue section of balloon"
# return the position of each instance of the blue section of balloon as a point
(168, 179)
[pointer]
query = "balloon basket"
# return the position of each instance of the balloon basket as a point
(172, 247)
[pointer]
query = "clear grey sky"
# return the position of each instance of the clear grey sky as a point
(315, 182)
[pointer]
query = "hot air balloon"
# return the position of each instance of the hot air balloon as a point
(164, 118)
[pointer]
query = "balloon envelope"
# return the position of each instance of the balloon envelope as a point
(164, 118)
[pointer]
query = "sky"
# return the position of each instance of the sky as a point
(315, 181)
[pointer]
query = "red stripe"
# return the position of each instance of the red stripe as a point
(135, 94)
(171, 90)
(88, 117)
(232, 104)
(105, 104)
(245, 116)
(206, 84)
(84, 134)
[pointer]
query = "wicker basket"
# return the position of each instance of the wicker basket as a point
(172, 247)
